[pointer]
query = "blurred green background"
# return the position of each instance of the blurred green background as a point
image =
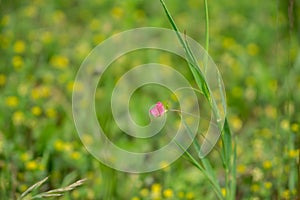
(254, 43)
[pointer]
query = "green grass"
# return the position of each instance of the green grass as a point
(42, 44)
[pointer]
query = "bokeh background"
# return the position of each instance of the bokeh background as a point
(254, 43)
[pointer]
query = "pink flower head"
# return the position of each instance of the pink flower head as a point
(158, 110)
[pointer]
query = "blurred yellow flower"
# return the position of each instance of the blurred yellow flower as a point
(12, 101)
(223, 191)
(30, 11)
(156, 191)
(266, 132)
(46, 37)
(180, 194)
(75, 155)
(40, 92)
(267, 164)
(228, 42)
(2, 79)
(51, 112)
(156, 187)
(190, 195)
(117, 12)
(59, 145)
(31, 165)
(252, 49)
(5, 20)
(94, 24)
(164, 165)
(286, 194)
(236, 122)
(22, 187)
(58, 16)
(144, 192)
(168, 193)
(237, 92)
(285, 125)
(98, 38)
(293, 153)
(60, 62)
(295, 127)
(36, 110)
(17, 62)
(254, 188)
(18, 118)
(24, 156)
(271, 111)
(75, 194)
(241, 169)
(268, 185)
(19, 46)
(135, 198)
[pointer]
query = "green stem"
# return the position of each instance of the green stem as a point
(206, 34)
(206, 26)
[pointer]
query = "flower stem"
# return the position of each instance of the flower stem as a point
(206, 26)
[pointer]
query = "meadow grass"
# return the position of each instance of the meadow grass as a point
(255, 45)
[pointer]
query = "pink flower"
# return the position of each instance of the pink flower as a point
(158, 110)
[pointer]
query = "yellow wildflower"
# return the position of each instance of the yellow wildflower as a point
(268, 185)
(156, 187)
(60, 62)
(293, 153)
(237, 123)
(156, 191)
(75, 194)
(75, 155)
(36, 110)
(271, 111)
(17, 62)
(286, 194)
(180, 194)
(267, 164)
(254, 188)
(24, 156)
(135, 198)
(19, 46)
(40, 92)
(2, 79)
(294, 127)
(117, 12)
(31, 165)
(94, 24)
(164, 165)
(59, 145)
(12, 101)
(22, 188)
(190, 195)
(144, 192)
(241, 169)
(252, 49)
(51, 112)
(18, 118)
(223, 191)
(5, 20)
(47, 37)
(285, 125)
(168, 193)
(228, 42)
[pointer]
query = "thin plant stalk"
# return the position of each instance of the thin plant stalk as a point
(228, 155)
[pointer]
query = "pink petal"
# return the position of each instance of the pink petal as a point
(154, 112)
(158, 110)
